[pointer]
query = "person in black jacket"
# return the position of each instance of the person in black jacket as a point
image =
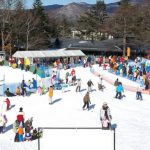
(8, 93)
(90, 83)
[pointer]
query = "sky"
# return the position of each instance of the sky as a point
(64, 2)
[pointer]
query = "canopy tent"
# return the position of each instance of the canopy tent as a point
(48, 54)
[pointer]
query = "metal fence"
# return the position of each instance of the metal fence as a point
(78, 128)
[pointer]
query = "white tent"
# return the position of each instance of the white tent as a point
(48, 54)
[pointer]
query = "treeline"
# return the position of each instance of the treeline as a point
(33, 29)
(25, 28)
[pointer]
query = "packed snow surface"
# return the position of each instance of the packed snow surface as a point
(130, 115)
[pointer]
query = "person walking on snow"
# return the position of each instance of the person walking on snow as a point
(139, 93)
(100, 83)
(105, 116)
(90, 83)
(78, 88)
(86, 100)
(119, 90)
(50, 94)
(1, 123)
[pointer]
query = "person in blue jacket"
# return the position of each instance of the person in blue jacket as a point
(119, 90)
(34, 82)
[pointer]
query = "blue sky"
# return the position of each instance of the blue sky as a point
(29, 3)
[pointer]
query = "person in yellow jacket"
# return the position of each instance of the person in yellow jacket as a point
(27, 64)
(18, 92)
(50, 94)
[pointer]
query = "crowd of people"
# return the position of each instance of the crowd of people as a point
(138, 71)
(23, 89)
(24, 130)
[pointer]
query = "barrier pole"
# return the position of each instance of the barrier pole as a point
(3, 84)
(114, 139)
(38, 140)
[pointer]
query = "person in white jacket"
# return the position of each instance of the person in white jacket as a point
(1, 123)
(78, 88)
(105, 114)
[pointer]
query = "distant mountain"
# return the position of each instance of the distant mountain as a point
(52, 7)
(74, 10)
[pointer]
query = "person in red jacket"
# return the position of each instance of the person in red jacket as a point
(73, 72)
(21, 116)
(7, 103)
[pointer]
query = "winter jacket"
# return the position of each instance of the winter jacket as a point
(119, 88)
(116, 83)
(20, 131)
(105, 112)
(50, 92)
(15, 126)
(18, 92)
(34, 84)
(20, 116)
(86, 98)
(1, 121)
(79, 83)
(89, 83)
(7, 102)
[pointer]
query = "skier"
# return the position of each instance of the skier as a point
(86, 100)
(105, 116)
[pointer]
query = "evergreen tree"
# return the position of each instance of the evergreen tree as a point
(92, 22)
(42, 27)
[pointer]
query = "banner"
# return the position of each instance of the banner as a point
(128, 51)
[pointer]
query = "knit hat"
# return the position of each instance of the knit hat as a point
(20, 109)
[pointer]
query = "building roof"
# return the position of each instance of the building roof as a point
(48, 53)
